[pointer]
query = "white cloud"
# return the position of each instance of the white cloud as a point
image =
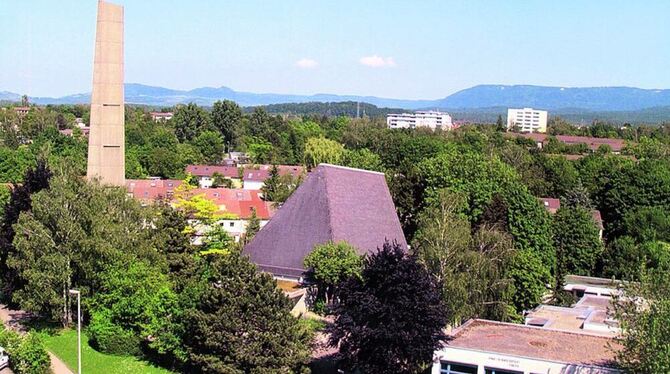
(375, 61)
(306, 63)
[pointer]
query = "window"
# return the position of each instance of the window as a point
(232, 224)
(500, 371)
(456, 368)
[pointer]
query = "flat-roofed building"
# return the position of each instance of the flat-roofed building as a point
(592, 314)
(489, 347)
(527, 120)
(431, 119)
(161, 116)
(581, 285)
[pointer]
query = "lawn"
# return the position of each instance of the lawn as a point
(64, 345)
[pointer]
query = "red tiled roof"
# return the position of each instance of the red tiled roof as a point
(536, 342)
(598, 219)
(152, 189)
(209, 170)
(232, 201)
(593, 143)
(551, 204)
(333, 204)
(262, 172)
(237, 201)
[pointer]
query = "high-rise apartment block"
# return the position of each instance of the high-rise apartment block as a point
(431, 119)
(527, 120)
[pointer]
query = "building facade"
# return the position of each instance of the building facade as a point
(527, 120)
(431, 119)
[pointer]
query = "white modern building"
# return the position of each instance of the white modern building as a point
(527, 120)
(488, 347)
(431, 119)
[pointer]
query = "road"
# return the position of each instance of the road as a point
(12, 320)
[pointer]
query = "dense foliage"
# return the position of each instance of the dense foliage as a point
(467, 200)
(645, 319)
(27, 352)
(240, 323)
(390, 316)
(330, 264)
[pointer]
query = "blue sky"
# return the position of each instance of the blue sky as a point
(401, 49)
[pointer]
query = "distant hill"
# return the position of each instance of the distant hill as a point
(483, 96)
(551, 98)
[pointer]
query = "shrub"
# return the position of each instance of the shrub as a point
(27, 354)
(31, 357)
(109, 337)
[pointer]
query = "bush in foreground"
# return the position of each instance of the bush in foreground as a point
(27, 354)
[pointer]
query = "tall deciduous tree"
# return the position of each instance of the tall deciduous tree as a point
(471, 268)
(189, 120)
(227, 118)
(332, 263)
(322, 150)
(20, 200)
(241, 323)
(74, 231)
(576, 240)
(390, 317)
(210, 145)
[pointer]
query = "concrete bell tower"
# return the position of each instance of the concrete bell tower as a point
(106, 141)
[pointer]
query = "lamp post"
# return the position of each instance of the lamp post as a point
(76, 292)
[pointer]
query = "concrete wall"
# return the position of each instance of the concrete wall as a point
(106, 142)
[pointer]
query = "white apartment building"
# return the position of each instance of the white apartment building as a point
(430, 119)
(527, 120)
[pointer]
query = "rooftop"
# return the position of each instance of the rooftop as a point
(334, 203)
(535, 342)
(591, 314)
(209, 170)
(593, 143)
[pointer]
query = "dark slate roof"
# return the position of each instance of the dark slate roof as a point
(334, 203)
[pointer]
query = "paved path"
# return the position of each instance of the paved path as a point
(12, 319)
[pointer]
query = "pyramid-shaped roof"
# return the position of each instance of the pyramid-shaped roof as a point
(334, 203)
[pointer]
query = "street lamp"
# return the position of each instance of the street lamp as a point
(76, 292)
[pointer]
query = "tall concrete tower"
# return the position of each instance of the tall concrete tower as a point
(106, 140)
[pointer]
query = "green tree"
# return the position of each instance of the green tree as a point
(393, 313)
(363, 159)
(5, 194)
(218, 180)
(241, 323)
(645, 336)
(470, 268)
(531, 277)
(576, 241)
(74, 231)
(189, 120)
(20, 201)
(322, 150)
(253, 226)
(227, 118)
(271, 185)
(210, 145)
(332, 263)
(135, 303)
(500, 124)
